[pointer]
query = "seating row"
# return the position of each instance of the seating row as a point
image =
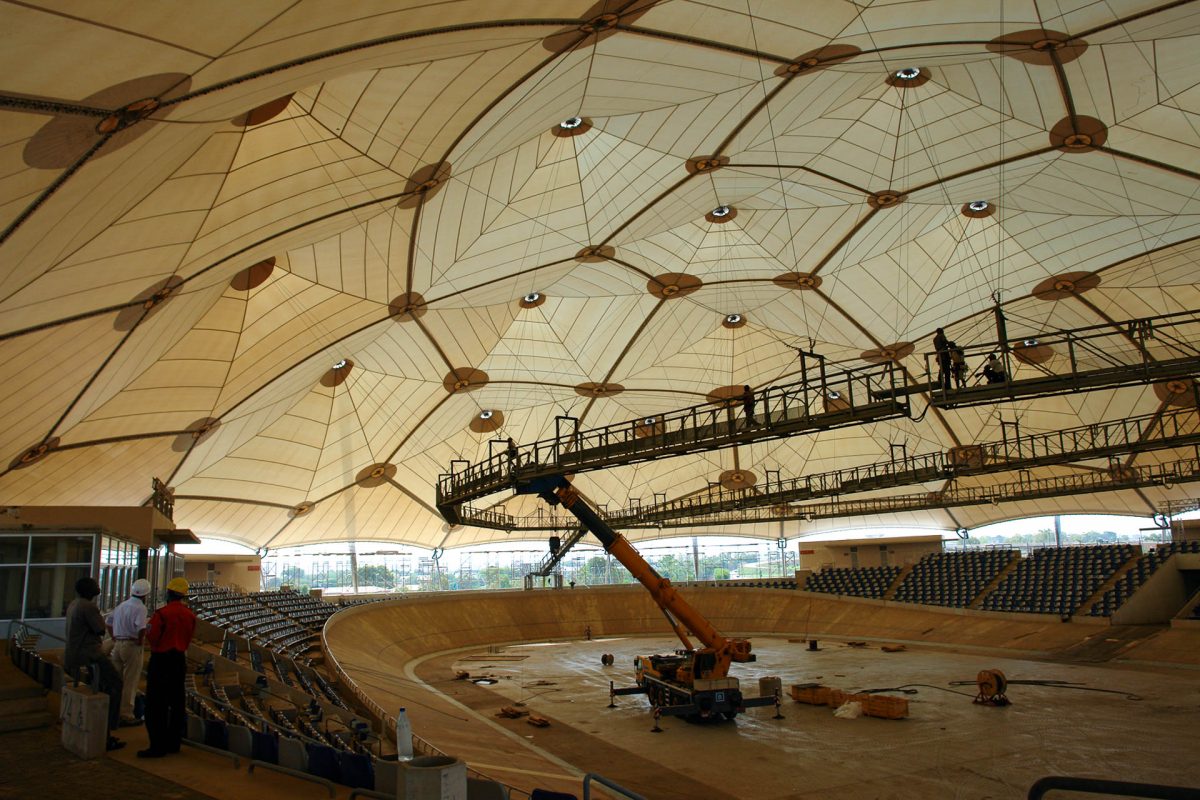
(953, 578)
(1058, 580)
(871, 582)
(1138, 574)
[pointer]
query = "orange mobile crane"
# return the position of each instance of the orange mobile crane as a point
(690, 682)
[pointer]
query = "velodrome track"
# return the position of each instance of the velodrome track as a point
(381, 647)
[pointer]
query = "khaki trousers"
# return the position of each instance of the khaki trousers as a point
(127, 658)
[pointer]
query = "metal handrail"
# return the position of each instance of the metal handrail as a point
(1155, 431)
(840, 397)
(1110, 787)
(603, 781)
(1128, 351)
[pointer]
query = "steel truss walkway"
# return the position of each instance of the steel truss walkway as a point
(1127, 353)
(1165, 474)
(1133, 352)
(1157, 431)
(1177, 428)
(820, 401)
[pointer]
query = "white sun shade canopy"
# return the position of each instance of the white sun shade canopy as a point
(281, 255)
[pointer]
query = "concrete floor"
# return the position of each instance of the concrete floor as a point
(948, 747)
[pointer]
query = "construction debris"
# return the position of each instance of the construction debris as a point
(538, 722)
(509, 712)
(873, 705)
(893, 648)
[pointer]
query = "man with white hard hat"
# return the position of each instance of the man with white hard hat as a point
(127, 625)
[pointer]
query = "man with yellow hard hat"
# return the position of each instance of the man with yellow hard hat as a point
(169, 634)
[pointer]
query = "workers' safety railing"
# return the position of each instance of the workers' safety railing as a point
(1156, 431)
(1016, 451)
(822, 399)
(1165, 475)
(1121, 477)
(1039, 364)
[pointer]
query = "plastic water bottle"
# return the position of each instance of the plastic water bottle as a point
(404, 751)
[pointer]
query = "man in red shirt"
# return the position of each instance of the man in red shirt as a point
(169, 634)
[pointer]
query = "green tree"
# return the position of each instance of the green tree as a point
(376, 575)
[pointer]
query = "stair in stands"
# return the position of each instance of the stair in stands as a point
(996, 581)
(1110, 583)
(1191, 609)
(22, 701)
(891, 590)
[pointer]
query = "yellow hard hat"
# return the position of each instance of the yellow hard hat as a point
(178, 586)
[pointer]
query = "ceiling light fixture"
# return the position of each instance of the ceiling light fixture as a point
(978, 205)
(486, 413)
(1031, 342)
(570, 123)
(533, 297)
(721, 211)
(649, 420)
(733, 319)
(908, 73)
(834, 394)
(339, 364)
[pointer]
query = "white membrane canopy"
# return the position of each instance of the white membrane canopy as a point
(282, 254)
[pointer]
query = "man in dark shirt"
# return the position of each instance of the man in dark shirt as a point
(748, 405)
(169, 634)
(85, 627)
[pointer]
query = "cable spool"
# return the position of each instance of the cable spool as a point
(992, 685)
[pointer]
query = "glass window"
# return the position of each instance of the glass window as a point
(12, 586)
(51, 589)
(14, 549)
(62, 549)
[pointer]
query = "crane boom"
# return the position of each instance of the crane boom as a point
(713, 660)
